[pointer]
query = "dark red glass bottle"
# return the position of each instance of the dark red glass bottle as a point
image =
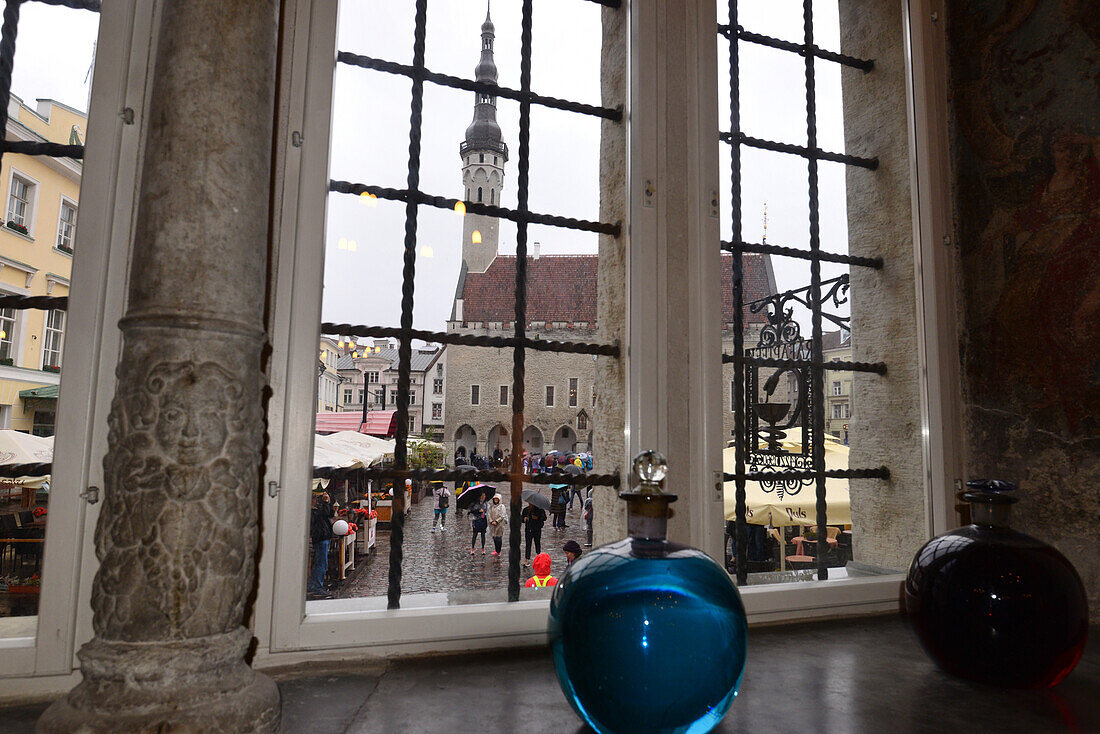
(994, 605)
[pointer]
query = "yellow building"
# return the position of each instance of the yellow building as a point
(36, 250)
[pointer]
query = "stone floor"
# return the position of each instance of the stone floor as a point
(441, 562)
(856, 676)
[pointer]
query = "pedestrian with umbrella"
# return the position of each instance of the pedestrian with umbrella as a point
(533, 518)
(479, 520)
(572, 492)
(557, 504)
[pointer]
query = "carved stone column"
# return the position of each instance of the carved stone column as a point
(177, 534)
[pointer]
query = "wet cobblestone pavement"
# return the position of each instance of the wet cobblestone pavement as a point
(440, 562)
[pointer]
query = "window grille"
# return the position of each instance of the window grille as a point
(780, 344)
(519, 342)
(10, 304)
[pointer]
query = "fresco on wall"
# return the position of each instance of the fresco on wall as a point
(1026, 98)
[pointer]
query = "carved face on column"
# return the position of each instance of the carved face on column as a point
(191, 424)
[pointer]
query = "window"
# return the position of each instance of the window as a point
(503, 394)
(573, 392)
(437, 387)
(412, 397)
(479, 193)
(549, 396)
(480, 159)
(582, 421)
(837, 388)
(439, 370)
(43, 424)
(393, 397)
(348, 392)
(54, 339)
(372, 377)
(437, 411)
(20, 204)
(7, 335)
(66, 226)
(360, 401)
(493, 196)
(475, 394)
(840, 410)
(412, 424)
(733, 396)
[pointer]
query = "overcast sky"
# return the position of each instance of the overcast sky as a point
(371, 127)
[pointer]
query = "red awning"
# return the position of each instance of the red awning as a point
(380, 423)
(333, 422)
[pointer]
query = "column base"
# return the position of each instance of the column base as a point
(178, 687)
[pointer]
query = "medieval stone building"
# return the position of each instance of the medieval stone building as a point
(560, 401)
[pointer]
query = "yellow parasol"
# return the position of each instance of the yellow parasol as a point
(767, 508)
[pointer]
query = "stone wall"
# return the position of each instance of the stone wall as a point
(1025, 88)
(889, 518)
(491, 368)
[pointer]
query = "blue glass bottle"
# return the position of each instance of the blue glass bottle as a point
(648, 635)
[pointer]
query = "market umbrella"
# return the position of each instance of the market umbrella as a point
(17, 447)
(768, 508)
(536, 498)
(572, 469)
(470, 496)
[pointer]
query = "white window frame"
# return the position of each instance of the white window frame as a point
(43, 664)
(33, 187)
(303, 170)
(437, 411)
(61, 223)
(371, 377)
(47, 331)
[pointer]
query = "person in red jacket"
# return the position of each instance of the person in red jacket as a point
(542, 576)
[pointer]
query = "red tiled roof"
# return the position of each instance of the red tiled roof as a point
(563, 288)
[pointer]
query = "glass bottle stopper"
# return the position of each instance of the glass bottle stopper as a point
(990, 501)
(647, 504)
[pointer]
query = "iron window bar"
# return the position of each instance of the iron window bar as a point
(469, 85)
(830, 257)
(811, 151)
(863, 65)
(8, 31)
(469, 340)
(811, 408)
(519, 342)
(473, 207)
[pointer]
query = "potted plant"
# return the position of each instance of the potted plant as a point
(33, 585)
(51, 368)
(14, 225)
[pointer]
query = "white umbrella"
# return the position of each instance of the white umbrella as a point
(17, 447)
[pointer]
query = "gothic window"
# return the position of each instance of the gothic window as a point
(582, 421)
(492, 197)
(479, 193)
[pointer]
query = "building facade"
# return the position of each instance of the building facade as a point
(560, 404)
(837, 345)
(369, 372)
(36, 251)
(328, 378)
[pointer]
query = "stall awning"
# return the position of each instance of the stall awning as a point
(333, 422)
(46, 391)
(381, 423)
